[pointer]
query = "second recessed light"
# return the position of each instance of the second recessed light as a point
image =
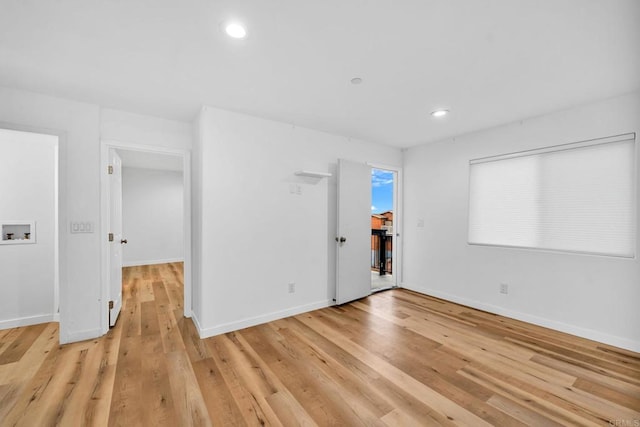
(439, 113)
(235, 30)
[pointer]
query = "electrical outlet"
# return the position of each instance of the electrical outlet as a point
(292, 287)
(504, 288)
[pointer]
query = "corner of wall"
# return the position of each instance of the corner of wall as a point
(196, 217)
(589, 296)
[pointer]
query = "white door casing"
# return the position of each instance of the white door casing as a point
(353, 238)
(115, 230)
(106, 146)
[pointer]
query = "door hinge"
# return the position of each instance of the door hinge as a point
(110, 305)
(110, 169)
(111, 237)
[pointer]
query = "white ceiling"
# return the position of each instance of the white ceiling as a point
(489, 61)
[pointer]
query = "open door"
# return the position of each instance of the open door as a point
(115, 236)
(354, 233)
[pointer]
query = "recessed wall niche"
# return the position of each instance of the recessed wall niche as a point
(18, 232)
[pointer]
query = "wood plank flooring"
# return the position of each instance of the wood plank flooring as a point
(396, 358)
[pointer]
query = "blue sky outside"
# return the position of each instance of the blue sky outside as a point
(381, 190)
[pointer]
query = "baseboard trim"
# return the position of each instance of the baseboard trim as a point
(536, 320)
(196, 323)
(257, 320)
(87, 334)
(27, 321)
(151, 262)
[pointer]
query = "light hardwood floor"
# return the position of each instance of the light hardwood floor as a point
(395, 358)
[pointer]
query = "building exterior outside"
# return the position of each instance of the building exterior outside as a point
(382, 233)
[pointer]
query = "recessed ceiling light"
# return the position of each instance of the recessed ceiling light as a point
(439, 113)
(356, 81)
(235, 30)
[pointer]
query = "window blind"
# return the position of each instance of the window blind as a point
(578, 197)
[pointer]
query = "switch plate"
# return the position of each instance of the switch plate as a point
(81, 227)
(292, 287)
(504, 288)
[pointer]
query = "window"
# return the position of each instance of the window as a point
(578, 197)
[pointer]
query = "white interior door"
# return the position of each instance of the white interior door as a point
(354, 231)
(116, 240)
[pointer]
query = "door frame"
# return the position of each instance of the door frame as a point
(115, 180)
(397, 219)
(105, 145)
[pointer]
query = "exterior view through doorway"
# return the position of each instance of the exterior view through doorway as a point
(383, 233)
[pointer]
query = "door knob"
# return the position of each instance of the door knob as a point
(124, 241)
(341, 239)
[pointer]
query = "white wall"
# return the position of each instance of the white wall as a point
(80, 127)
(139, 129)
(256, 235)
(152, 216)
(592, 296)
(28, 191)
(196, 219)
(77, 125)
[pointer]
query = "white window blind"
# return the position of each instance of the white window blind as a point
(578, 197)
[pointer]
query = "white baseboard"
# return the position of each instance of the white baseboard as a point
(529, 318)
(27, 321)
(257, 320)
(196, 322)
(151, 262)
(65, 338)
(87, 334)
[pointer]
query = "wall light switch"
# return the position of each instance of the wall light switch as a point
(81, 227)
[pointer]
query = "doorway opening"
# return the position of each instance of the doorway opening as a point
(357, 251)
(152, 226)
(383, 197)
(151, 234)
(29, 226)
